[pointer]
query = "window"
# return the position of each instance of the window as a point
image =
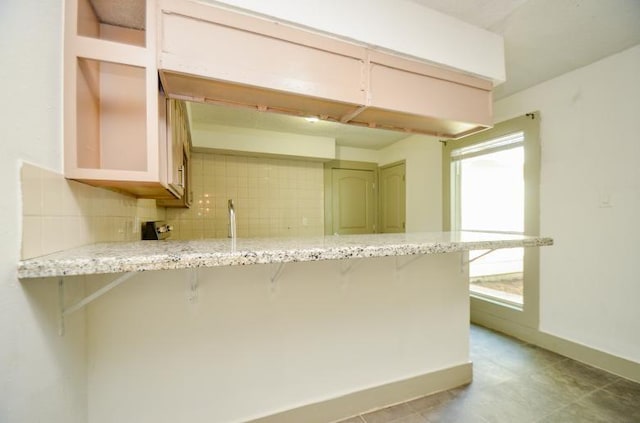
(490, 198)
(491, 185)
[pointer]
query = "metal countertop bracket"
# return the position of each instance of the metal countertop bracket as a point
(276, 275)
(351, 263)
(194, 286)
(65, 311)
(480, 256)
(400, 266)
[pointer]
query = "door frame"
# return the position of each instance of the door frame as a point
(328, 189)
(485, 310)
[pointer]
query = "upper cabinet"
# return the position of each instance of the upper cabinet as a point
(113, 131)
(405, 94)
(179, 153)
(213, 55)
(118, 133)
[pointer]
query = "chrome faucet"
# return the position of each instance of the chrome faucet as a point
(232, 221)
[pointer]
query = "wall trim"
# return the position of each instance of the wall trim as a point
(370, 399)
(602, 360)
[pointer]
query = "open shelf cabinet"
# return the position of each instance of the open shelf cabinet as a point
(114, 126)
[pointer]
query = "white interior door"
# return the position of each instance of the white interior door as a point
(353, 202)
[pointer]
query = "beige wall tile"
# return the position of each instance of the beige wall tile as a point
(31, 237)
(272, 196)
(59, 214)
(60, 233)
(52, 191)
(31, 190)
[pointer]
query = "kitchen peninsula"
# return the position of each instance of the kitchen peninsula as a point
(274, 330)
(279, 330)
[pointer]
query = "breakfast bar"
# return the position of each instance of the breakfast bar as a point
(272, 330)
(115, 257)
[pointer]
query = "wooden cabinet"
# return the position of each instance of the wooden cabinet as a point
(405, 93)
(113, 125)
(177, 135)
(178, 153)
(215, 55)
(119, 134)
(209, 54)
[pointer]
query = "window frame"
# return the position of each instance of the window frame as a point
(485, 310)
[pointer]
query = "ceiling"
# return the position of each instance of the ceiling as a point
(543, 39)
(547, 38)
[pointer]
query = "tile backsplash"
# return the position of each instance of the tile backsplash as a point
(272, 197)
(59, 214)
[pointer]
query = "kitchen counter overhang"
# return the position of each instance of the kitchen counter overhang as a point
(138, 256)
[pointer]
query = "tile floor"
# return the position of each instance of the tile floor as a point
(517, 382)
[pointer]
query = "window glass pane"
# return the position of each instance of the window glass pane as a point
(498, 274)
(491, 198)
(492, 191)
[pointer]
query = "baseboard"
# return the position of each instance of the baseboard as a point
(343, 407)
(610, 363)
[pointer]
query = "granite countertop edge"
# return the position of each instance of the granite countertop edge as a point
(138, 256)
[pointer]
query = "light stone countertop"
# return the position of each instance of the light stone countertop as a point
(138, 256)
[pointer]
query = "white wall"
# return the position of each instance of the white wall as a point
(398, 25)
(589, 279)
(590, 202)
(423, 156)
(220, 138)
(248, 348)
(42, 375)
(357, 154)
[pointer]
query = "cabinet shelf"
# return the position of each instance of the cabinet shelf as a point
(114, 118)
(89, 25)
(111, 115)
